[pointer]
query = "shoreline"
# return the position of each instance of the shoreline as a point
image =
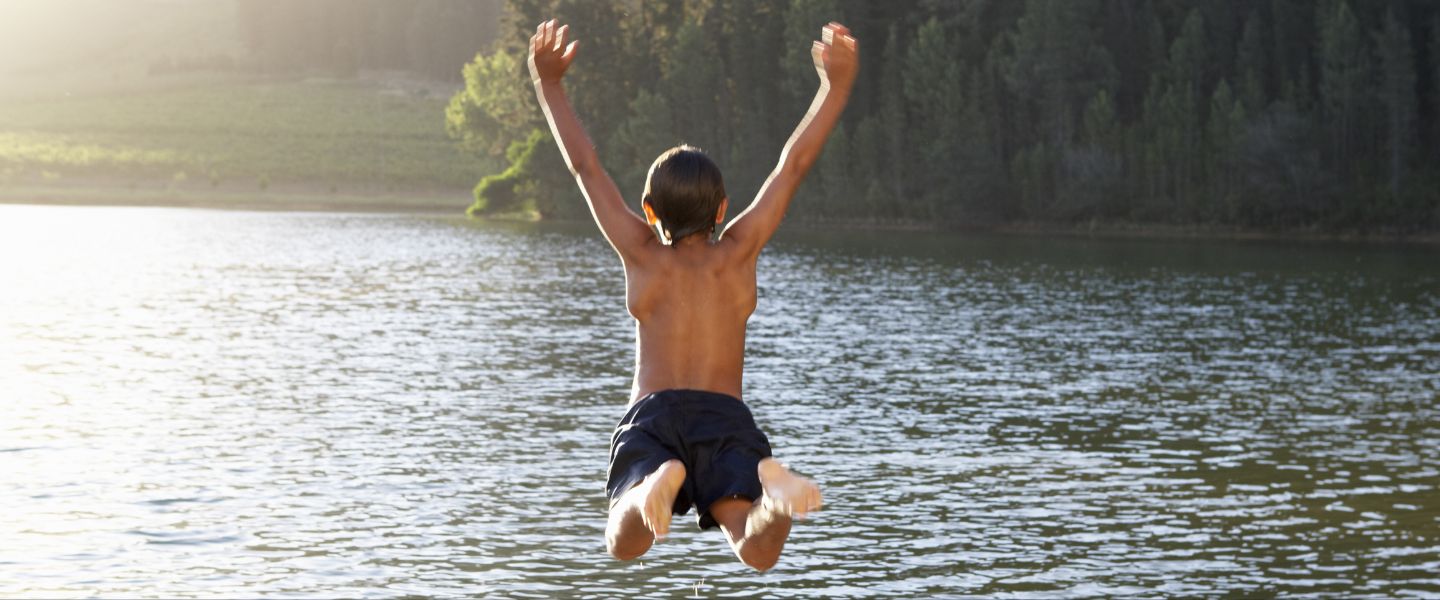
(307, 198)
(1161, 231)
(280, 198)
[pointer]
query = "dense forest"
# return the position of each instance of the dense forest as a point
(431, 38)
(1266, 114)
(1281, 114)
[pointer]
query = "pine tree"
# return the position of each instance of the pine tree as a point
(838, 195)
(1186, 68)
(1058, 64)
(867, 155)
(1099, 121)
(935, 95)
(803, 21)
(1397, 93)
(1292, 23)
(751, 39)
(596, 83)
(892, 118)
(1250, 65)
(1173, 119)
(648, 130)
(1222, 134)
(1435, 98)
(692, 85)
(1344, 79)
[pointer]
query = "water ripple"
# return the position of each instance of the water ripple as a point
(202, 403)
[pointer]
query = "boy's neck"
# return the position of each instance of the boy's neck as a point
(691, 241)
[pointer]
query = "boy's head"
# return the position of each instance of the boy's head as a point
(684, 193)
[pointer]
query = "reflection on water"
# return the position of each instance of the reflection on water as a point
(221, 403)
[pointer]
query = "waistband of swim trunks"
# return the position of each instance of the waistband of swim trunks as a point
(687, 394)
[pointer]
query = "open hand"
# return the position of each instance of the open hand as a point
(549, 55)
(836, 55)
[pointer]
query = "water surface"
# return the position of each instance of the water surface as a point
(210, 403)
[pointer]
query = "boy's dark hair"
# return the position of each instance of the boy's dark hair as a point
(684, 188)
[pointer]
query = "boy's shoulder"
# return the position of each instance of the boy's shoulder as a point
(720, 254)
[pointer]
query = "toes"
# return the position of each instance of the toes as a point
(655, 519)
(659, 525)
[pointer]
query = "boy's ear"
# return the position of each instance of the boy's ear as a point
(649, 213)
(720, 213)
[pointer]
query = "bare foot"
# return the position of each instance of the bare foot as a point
(654, 497)
(786, 492)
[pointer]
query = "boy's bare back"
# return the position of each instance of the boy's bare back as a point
(690, 302)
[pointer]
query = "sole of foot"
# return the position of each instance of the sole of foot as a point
(655, 497)
(786, 492)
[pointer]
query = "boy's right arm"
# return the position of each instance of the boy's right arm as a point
(836, 57)
(550, 56)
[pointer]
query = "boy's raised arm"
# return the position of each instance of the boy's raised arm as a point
(837, 59)
(550, 56)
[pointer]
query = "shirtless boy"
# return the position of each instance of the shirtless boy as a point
(687, 438)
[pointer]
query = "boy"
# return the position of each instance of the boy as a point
(687, 438)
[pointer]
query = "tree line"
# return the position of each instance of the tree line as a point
(1277, 114)
(430, 38)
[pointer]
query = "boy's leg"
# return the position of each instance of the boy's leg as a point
(642, 514)
(757, 529)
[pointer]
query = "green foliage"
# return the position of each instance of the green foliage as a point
(1287, 113)
(1099, 121)
(536, 182)
(689, 86)
(492, 109)
(803, 20)
(1227, 124)
(953, 159)
(835, 177)
(1397, 94)
(291, 133)
(1250, 64)
(648, 131)
(1058, 64)
(1345, 77)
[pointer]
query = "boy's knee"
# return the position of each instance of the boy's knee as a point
(626, 550)
(759, 556)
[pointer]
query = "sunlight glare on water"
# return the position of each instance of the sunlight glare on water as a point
(219, 404)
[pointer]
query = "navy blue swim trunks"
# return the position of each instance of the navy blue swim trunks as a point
(713, 434)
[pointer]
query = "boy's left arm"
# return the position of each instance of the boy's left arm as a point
(550, 56)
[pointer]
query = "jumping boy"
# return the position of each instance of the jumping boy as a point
(687, 438)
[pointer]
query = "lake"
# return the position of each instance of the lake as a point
(213, 403)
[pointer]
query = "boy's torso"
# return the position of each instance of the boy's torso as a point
(690, 302)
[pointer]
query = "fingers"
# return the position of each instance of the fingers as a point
(545, 36)
(551, 36)
(835, 33)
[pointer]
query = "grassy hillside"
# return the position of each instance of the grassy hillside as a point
(86, 117)
(331, 137)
